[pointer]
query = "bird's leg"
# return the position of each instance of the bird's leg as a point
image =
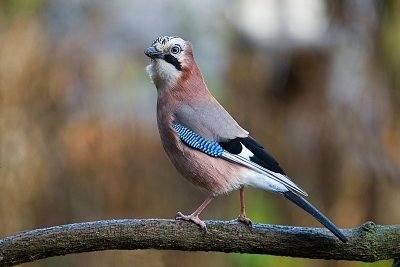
(194, 217)
(242, 216)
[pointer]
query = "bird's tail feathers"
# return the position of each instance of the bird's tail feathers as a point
(307, 206)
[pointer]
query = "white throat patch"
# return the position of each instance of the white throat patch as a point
(163, 74)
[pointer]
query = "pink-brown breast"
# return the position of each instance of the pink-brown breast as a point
(215, 175)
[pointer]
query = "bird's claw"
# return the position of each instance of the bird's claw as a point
(245, 220)
(193, 218)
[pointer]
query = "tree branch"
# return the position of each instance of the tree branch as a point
(368, 242)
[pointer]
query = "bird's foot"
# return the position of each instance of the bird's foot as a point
(243, 219)
(193, 218)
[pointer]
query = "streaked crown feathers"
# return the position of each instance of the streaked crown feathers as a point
(163, 39)
(164, 43)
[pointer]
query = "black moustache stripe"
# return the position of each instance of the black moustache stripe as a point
(172, 60)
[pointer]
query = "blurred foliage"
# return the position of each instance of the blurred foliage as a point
(390, 34)
(10, 9)
(317, 83)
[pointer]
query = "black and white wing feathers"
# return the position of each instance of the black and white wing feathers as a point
(247, 152)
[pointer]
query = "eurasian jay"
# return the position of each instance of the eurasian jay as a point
(204, 143)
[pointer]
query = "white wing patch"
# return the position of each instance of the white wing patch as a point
(279, 181)
(245, 153)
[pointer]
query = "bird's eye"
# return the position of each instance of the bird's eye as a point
(176, 49)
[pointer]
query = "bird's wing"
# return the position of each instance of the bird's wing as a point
(209, 120)
(253, 151)
(241, 150)
(247, 152)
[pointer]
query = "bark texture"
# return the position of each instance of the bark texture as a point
(369, 242)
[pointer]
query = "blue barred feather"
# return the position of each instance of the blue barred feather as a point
(196, 141)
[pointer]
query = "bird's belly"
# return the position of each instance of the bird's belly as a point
(215, 175)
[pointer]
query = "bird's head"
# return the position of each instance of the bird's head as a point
(171, 57)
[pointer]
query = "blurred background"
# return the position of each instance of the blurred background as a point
(316, 82)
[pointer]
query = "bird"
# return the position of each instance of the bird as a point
(203, 141)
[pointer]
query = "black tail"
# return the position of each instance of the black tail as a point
(305, 205)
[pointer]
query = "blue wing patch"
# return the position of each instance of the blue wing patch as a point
(196, 141)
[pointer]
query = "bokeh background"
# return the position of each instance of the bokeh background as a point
(316, 82)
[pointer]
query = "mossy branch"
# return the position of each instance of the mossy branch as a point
(368, 242)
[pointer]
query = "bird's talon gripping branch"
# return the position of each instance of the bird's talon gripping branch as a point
(242, 216)
(246, 221)
(180, 217)
(193, 218)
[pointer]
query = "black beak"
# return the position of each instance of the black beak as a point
(153, 53)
